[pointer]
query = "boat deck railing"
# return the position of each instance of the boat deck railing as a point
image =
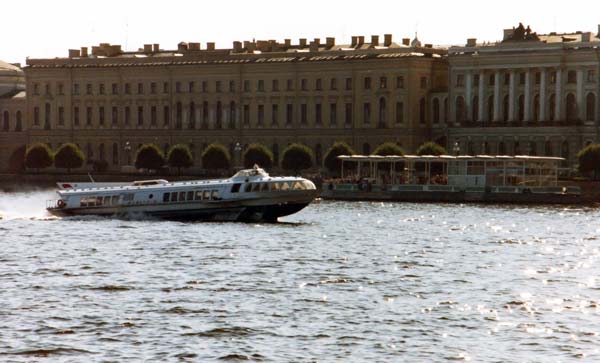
(377, 188)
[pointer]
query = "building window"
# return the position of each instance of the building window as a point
(522, 78)
(191, 86)
(552, 106)
(192, 118)
(61, 89)
(127, 88)
(436, 110)
(178, 115)
(490, 110)
(19, 126)
(492, 80)
(382, 113)
(36, 116)
(553, 77)
(115, 88)
(140, 115)
(275, 85)
(47, 86)
(165, 87)
(571, 77)
(261, 85)
(232, 115)
(231, 86)
(304, 84)
(61, 115)
(333, 114)
(590, 106)
(475, 109)
(303, 114)
(367, 83)
(101, 88)
(36, 89)
(75, 89)
(348, 84)
(153, 88)
(348, 116)
(333, 84)
(140, 89)
(538, 77)
(289, 113)
(319, 84)
(422, 111)
(507, 79)
(115, 115)
(571, 107)
(88, 88)
(101, 115)
(204, 86)
(318, 114)
(115, 154)
(218, 87)
(205, 114)
(290, 85)
(88, 116)
(6, 124)
(177, 87)
(460, 108)
(246, 115)
(383, 82)
(246, 86)
(261, 115)
(127, 115)
(219, 115)
(153, 115)
(166, 115)
(275, 114)
(366, 113)
(476, 80)
(591, 76)
(423, 82)
(399, 112)
(460, 80)
(76, 116)
(399, 82)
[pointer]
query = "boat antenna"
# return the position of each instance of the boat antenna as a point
(92, 179)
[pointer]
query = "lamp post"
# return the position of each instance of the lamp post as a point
(238, 155)
(128, 151)
(456, 148)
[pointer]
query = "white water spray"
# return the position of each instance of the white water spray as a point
(20, 205)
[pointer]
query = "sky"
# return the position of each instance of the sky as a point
(47, 29)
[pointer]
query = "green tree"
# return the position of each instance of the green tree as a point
(68, 156)
(589, 160)
(431, 148)
(332, 163)
(215, 157)
(149, 156)
(388, 148)
(38, 156)
(258, 154)
(180, 156)
(16, 161)
(297, 157)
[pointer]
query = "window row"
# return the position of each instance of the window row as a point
(191, 195)
(521, 77)
(6, 121)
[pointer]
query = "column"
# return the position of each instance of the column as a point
(527, 96)
(543, 85)
(497, 96)
(580, 99)
(512, 96)
(468, 96)
(559, 99)
(481, 96)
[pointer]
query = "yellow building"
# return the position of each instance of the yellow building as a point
(110, 101)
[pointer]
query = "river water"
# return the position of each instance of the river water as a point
(337, 282)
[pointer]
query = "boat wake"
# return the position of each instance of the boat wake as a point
(25, 205)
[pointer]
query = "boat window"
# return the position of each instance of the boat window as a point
(99, 201)
(235, 187)
(248, 187)
(182, 196)
(255, 187)
(285, 186)
(264, 187)
(215, 195)
(166, 197)
(91, 201)
(308, 185)
(83, 202)
(128, 197)
(190, 195)
(115, 200)
(275, 186)
(206, 195)
(198, 195)
(174, 197)
(297, 186)
(107, 200)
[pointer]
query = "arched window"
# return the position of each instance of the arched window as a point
(548, 148)
(6, 121)
(532, 148)
(501, 148)
(192, 121)
(460, 108)
(232, 115)
(571, 107)
(101, 152)
(366, 149)
(536, 107)
(552, 106)
(436, 110)
(590, 107)
(275, 154)
(422, 110)
(318, 155)
(19, 126)
(521, 110)
(382, 112)
(219, 120)
(505, 109)
(490, 108)
(475, 109)
(178, 116)
(115, 154)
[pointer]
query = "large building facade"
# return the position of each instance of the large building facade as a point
(12, 116)
(528, 94)
(110, 102)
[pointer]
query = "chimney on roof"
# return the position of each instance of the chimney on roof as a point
(182, 47)
(405, 41)
(330, 41)
(302, 42)
(194, 46)
(374, 40)
(508, 33)
(74, 53)
(314, 46)
(210, 46)
(387, 40)
(354, 40)
(361, 39)
(262, 45)
(84, 51)
(156, 47)
(471, 42)
(287, 42)
(147, 48)
(318, 41)
(237, 46)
